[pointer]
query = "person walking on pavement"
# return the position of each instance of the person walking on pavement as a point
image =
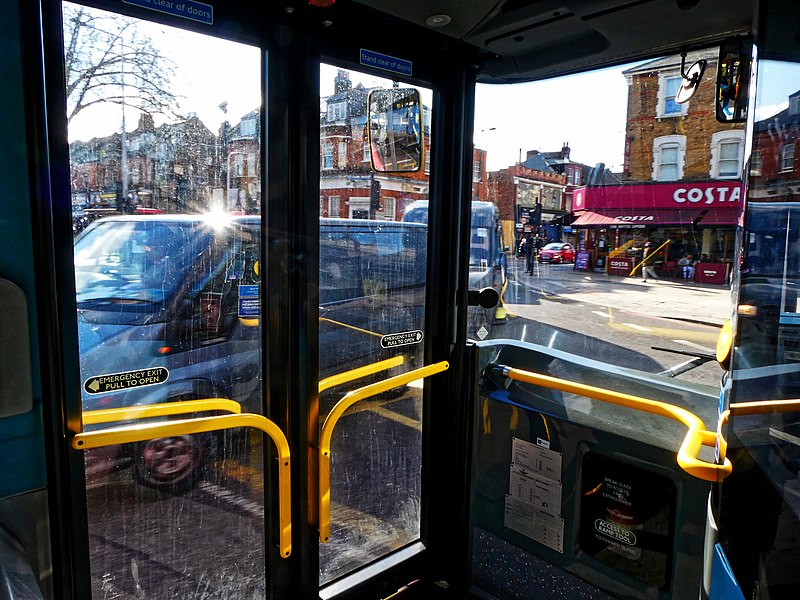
(647, 268)
(529, 253)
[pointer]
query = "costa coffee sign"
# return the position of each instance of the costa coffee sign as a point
(658, 195)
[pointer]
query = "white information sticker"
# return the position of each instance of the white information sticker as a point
(519, 516)
(542, 492)
(541, 461)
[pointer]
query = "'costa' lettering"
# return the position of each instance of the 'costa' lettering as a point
(707, 196)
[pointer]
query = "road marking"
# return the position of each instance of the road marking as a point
(601, 314)
(639, 327)
(695, 346)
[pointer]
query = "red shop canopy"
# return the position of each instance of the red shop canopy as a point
(704, 217)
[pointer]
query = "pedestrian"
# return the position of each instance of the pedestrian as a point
(647, 268)
(529, 254)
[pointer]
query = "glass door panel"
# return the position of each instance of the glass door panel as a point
(164, 141)
(372, 286)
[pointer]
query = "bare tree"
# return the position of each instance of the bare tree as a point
(108, 60)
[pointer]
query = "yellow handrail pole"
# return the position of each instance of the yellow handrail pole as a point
(110, 415)
(696, 436)
(333, 417)
(360, 372)
(148, 431)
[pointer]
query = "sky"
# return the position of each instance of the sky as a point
(587, 111)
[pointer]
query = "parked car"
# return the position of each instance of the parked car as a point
(179, 296)
(557, 252)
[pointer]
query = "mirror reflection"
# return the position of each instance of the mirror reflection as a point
(733, 81)
(395, 130)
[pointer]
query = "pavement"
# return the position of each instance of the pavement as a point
(669, 298)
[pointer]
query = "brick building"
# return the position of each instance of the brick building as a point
(346, 178)
(682, 172)
(530, 198)
(774, 168)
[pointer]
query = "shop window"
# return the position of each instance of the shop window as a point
(787, 158)
(668, 86)
(668, 156)
(726, 154)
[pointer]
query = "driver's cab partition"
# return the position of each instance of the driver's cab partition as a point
(566, 492)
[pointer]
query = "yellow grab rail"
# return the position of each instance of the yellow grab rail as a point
(696, 436)
(110, 415)
(333, 417)
(762, 407)
(147, 431)
(360, 372)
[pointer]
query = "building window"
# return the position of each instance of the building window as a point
(337, 112)
(794, 105)
(787, 158)
(342, 155)
(668, 155)
(333, 206)
(574, 176)
(247, 127)
(726, 154)
(427, 161)
(327, 156)
(755, 163)
(668, 86)
(322, 206)
(476, 170)
(389, 208)
(366, 157)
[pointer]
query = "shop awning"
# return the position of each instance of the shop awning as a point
(700, 217)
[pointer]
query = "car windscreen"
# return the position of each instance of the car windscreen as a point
(553, 247)
(135, 265)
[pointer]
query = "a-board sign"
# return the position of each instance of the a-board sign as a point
(116, 382)
(401, 339)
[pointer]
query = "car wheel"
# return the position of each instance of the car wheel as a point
(171, 463)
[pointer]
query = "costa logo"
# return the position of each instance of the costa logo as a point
(707, 196)
(634, 218)
(619, 263)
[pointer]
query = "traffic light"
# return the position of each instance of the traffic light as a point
(375, 196)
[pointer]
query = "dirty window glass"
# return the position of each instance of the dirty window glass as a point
(164, 144)
(372, 287)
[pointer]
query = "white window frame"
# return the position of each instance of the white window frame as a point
(665, 141)
(389, 208)
(661, 111)
(327, 153)
(341, 155)
(476, 171)
(787, 158)
(337, 111)
(366, 156)
(355, 203)
(334, 204)
(717, 140)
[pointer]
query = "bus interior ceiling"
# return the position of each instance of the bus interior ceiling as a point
(524, 40)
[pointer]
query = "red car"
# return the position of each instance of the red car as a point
(557, 252)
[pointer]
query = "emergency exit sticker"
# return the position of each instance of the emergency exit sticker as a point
(115, 382)
(401, 339)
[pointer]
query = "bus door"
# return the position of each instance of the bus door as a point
(186, 477)
(220, 323)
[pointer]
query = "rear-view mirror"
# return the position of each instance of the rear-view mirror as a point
(395, 130)
(733, 80)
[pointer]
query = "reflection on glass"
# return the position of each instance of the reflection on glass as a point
(395, 130)
(372, 285)
(167, 280)
(766, 355)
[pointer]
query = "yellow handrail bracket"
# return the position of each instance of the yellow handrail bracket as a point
(696, 437)
(148, 431)
(333, 417)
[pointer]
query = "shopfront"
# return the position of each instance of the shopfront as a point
(697, 218)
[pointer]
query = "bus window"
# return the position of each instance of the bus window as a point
(372, 307)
